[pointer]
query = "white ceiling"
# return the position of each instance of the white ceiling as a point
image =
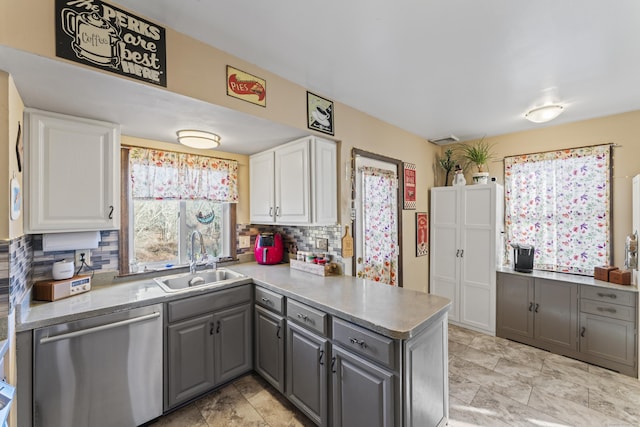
(433, 67)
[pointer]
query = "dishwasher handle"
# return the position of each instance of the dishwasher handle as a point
(95, 329)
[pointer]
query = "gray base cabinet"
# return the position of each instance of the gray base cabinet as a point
(190, 371)
(594, 324)
(539, 312)
(232, 343)
(209, 342)
(269, 347)
(363, 393)
(306, 360)
(556, 313)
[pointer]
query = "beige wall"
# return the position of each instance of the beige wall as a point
(622, 129)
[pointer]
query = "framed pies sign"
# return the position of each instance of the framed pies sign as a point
(246, 86)
(319, 113)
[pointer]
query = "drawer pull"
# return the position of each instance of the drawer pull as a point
(607, 309)
(457, 253)
(356, 341)
(320, 358)
(304, 317)
(612, 296)
(270, 210)
(278, 332)
(212, 328)
(582, 332)
(333, 365)
(531, 306)
(536, 309)
(218, 328)
(266, 300)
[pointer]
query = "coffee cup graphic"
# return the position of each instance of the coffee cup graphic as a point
(322, 116)
(94, 38)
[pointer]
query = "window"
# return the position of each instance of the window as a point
(169, 196)
(559, 202)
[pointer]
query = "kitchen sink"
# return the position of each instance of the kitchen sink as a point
(185, 281)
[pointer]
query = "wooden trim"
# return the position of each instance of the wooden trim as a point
(123, 238)
(355, 152)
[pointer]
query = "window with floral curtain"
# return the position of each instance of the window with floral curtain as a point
(560, 202)
(172, 195)
(380, 261)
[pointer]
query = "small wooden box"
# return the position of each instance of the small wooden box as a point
(319, 270)
(620, 277)
(604, 272)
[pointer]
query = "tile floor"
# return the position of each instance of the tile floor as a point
(492, 382)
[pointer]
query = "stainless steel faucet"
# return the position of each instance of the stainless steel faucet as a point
(192, 261)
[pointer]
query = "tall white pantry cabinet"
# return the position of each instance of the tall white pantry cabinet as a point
(466, 247)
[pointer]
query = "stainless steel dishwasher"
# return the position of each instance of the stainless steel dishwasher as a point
(101, 371)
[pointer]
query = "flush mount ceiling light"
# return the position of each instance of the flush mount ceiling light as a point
(544, 114)
(198, 139)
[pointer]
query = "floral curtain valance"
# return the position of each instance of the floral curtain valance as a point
(157, 174)
(559, 202)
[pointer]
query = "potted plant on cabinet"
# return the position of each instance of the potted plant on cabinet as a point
(447, 163)
(479, 154)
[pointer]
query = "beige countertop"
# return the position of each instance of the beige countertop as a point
(571, 278)
(394, 312)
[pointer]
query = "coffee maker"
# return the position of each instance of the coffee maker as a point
(523, 257)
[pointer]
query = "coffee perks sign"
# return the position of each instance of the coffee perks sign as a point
(97, 34)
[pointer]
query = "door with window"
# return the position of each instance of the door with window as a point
(377, 246)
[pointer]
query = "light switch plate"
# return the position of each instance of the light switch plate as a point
(322, 244)
(244, 241)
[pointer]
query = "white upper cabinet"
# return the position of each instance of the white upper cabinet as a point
(72, 173)
(295, 184)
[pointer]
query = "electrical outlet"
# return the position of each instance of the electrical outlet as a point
(244, 241)
(322, 244)
(87, 256)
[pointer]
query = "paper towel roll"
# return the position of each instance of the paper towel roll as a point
(70, 241)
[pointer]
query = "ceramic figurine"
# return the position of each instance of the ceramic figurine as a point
(458, 176)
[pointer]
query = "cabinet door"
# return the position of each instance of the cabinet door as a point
(269, 347)
(556, 313)
(72, 180)
(190, 359)
(261, 181)
(445, 252)
(515, 306)
(363, 393)
(477, 257)
(325, 182)
(306, 375)
(607, 338)
(292, 186)
(233, 352)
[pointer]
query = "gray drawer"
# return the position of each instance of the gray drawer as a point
(608, 295)
(270, 300)
(193, 306)
(614, 311)
(365, 342)
(306, 316)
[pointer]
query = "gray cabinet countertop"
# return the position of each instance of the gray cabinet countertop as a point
(571, 278)
(394, 312)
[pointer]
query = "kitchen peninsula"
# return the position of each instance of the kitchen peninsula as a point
(389, 344)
